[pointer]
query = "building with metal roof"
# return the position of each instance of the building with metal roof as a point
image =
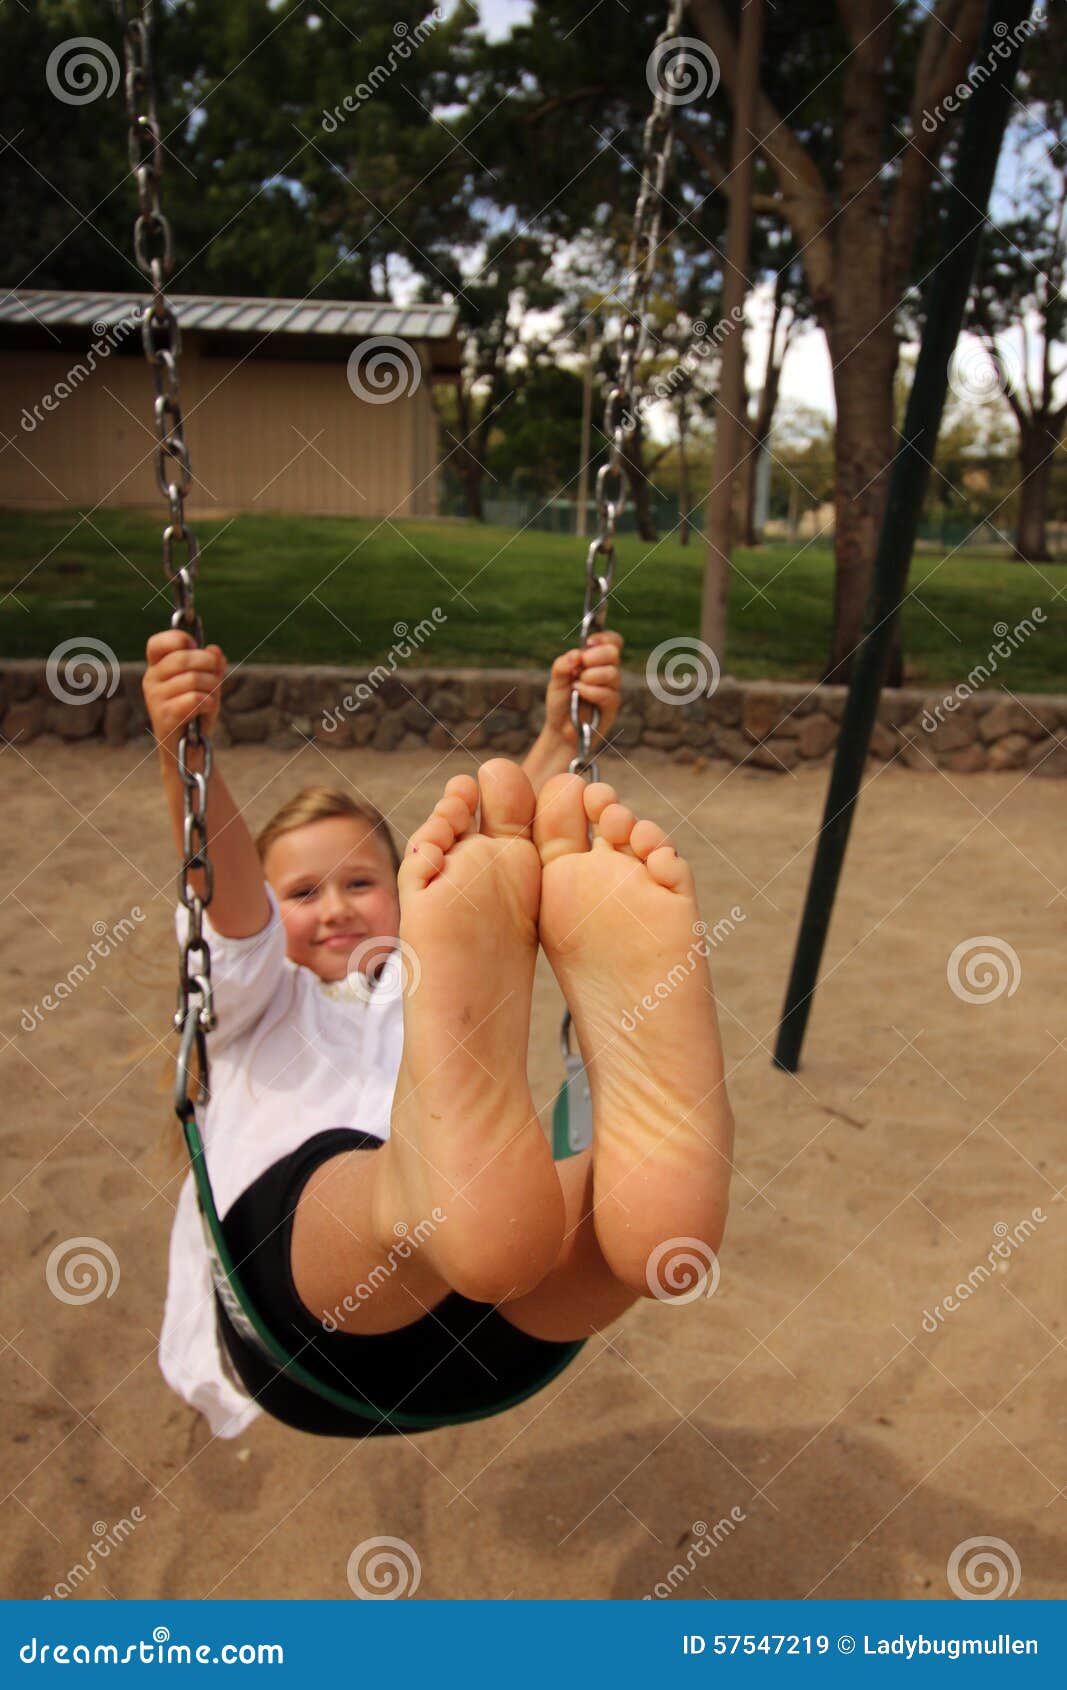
(321, 406)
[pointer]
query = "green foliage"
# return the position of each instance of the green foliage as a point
(285, 589)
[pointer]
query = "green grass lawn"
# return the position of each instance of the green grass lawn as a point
(324, 590)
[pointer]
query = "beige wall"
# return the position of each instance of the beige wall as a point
(265, 434)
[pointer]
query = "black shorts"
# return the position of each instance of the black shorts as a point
(461, 1360)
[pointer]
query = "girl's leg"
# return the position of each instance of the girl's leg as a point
(467, 1171)
(620, 925)
(343, 1272)
(580, 1295)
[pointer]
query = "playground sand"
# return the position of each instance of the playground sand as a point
(823, 1425)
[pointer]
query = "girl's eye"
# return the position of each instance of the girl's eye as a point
(360, 883)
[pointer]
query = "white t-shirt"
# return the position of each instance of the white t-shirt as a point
(291, 1056)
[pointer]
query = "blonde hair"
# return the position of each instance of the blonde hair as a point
(321, 803)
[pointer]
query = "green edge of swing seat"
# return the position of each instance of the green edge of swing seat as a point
(289, 1364)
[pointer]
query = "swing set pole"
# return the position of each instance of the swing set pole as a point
(979, 151)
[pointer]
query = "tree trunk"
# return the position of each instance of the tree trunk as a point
(1037, 446)
(638, 480)
(683, 474)
(864, 451)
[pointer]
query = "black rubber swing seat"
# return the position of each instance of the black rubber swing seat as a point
(462, 1361)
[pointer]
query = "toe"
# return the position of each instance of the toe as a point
(668, 869)
(423, 861)
(598, 795)
(616, 825)
(507, 799)
(434, 831)
(464, 787)
(646, 838)
(560, 825)
(455, 811)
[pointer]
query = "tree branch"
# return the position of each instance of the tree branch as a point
(717, 174)
(956, 24)
(806, 203)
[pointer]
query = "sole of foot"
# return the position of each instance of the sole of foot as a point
(466, 1143)
(620, 925)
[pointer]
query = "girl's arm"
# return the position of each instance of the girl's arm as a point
(183, 681)
(598, 667)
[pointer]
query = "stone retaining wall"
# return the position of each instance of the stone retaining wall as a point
(772, 725)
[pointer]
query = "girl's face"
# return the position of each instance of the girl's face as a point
(336, 889)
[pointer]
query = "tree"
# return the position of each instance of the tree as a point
(1018, 306)
(852, 162)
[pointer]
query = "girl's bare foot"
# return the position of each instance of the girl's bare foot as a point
(620, 926)
(465, 1137)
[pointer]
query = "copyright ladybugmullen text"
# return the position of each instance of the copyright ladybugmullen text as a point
(779, 1643)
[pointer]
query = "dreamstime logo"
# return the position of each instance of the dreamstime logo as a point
(382, 1568)
(983, 1569)
(681, 70)
(1007, 42)
(82, 1269)
(1008, 640)
(976, 377)
(107, 939)
(690, 670)
(383, 979)
(408, 1240)
(106, 336)
(408, 640)
(384, 369)
(706, 1538)
(682, 1262)
(984, 968)
(703, 342)
(105, 1540)
(407, 39)
(706, 938)
(1008, 1240)
(81, 670)
(80, 69)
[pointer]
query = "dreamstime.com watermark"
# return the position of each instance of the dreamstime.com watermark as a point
(1008, 640)
(983, 969)
(705, 942)
(704, 342)
(681, 670)
(381, 1569)
(157, 1651)
(1009, 1239)
(682, 1270)
(384, 369)
(707, 1538)
(407, 41)
(81, 670)
(408, 640)
(983, 1569)
(1008, 41)
(80, 1270)
(408, 1241)
(106, 336)
(80, 69)
(682, 69)
(108, 939)
(105, 1539)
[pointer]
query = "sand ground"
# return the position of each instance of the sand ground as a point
(849, 1450)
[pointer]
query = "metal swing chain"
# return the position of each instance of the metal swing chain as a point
(657, 145)
(154, 250)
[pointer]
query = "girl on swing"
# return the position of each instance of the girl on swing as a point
(348, 1117)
